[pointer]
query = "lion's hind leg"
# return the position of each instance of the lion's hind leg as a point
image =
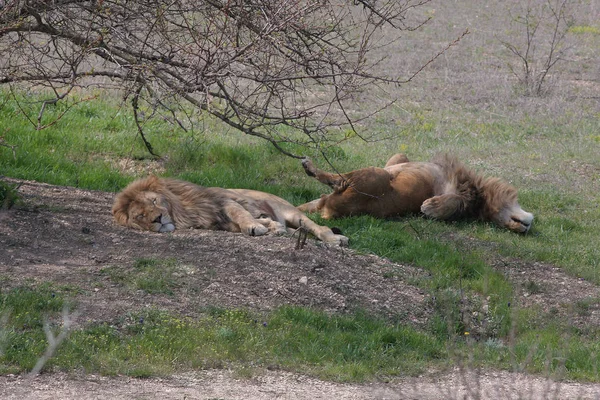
(336, 181)
(399, 158)
(444, 207)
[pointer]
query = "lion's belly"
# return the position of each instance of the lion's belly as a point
(390, 202)
(397, 203)
(383, 192)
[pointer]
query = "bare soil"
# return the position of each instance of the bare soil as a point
(224, 385)
(65, 236)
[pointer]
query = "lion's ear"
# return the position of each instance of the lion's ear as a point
(152, 183)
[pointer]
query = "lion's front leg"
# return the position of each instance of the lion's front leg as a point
(324, 233)
(444, 207)
(274, 227)
(313, 206)
(243, 219)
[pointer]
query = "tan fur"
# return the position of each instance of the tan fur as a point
(163, 205)
(443, 189)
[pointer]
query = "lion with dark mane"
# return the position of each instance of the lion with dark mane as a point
(163, 205)
(442, 189)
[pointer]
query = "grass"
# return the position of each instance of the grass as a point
(153, 343)
(8, 195)
(353, 348)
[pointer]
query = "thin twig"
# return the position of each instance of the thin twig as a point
(12, 147)
(135, 106)
(302, 236)
(53, 341)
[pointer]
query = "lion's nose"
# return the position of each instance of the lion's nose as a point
(158, 219)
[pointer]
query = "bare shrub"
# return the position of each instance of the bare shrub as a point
(256, 65)
(541, 42)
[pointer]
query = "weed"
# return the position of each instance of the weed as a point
(532, 287)
(8, 195)
(151, 275)
(584, 29)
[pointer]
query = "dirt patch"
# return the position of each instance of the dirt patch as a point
(65, 236)
(549, 288)
(272, 385)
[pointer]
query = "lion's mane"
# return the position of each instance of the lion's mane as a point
(190, 205)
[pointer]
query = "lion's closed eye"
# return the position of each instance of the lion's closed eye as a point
(140, 216)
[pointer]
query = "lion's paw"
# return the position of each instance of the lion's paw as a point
(429, 207)
(278, 229)
(308, 167)
(337, 240)
(256, 230)
(342, 240)
(439, 207)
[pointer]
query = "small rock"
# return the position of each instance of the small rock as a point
(303, 280)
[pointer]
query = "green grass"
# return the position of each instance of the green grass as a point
(8, 195)
(23, 311)
(343, 348)
(353, 348)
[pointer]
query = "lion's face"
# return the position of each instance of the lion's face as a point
(149, 211)
(516, 219)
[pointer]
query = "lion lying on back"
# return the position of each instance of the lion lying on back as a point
(442, 189)
(163, 205)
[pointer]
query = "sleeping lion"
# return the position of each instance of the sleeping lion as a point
(442, 189)
(163, 205)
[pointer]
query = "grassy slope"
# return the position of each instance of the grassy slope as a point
(465, 103)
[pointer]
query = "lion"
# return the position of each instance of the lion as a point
(442, 189)
(163, 205)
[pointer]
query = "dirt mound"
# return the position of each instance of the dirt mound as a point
(66, 236)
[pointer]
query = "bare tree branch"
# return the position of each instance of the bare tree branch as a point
(256, 65)
(136, 117)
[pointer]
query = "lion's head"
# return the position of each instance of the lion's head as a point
(513, 217)
(502, 206)
(141, 206)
